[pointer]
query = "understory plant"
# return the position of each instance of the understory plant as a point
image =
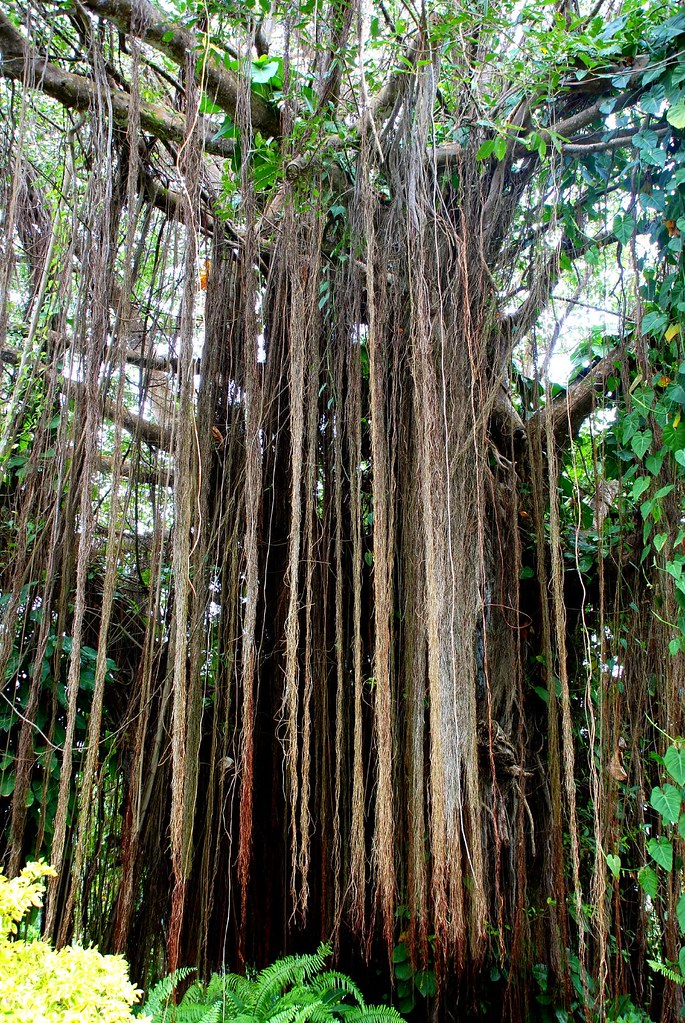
(291, 990)
(668, 800)
(39, 984)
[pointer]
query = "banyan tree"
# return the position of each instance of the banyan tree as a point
(325, 612)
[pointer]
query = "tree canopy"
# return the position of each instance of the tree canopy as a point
(331, 608)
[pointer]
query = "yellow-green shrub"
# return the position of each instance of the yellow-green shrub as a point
(41, 985)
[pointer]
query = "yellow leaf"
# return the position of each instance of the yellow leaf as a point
(676, 420)
(672, 331)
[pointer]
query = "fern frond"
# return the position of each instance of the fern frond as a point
(157, 1004)
(284, 973)
(284, 1015)
(195, 995)
(327, 1013)
(667, 971)
(198, 1013)
(241, 986)
(216, 987)
(333, 985)
(298, 1013)
(374, 1014)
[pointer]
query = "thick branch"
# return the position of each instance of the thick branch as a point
(171, 203)
(614, 141)
(569, 127)
(21, 62)
(151, 433)
(582, 118)
(147, 477)
(222, 85)
(570, 410)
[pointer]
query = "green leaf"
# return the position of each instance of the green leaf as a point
(207, 106)
(654, 462)
(674, 647)
(641, 443)
(614, 864)
(675, 393)
(680, 913)
(500, 148)
(486, 149)
(661, 851)
(675, 115)
(674, 436)
(674, 762)
(624, 228)
(675, 567)
(400, 953)
(228, 130)
(639, 486)
(654, 323)
(666, 801)
(263, 73)
(403, 971)
(426, 983)
(648, 881)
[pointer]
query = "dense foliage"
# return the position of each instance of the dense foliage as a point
(39, 984)
(291, 990)
(342, 550)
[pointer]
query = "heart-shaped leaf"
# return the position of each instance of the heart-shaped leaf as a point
(666, 801)
(674, 762)
(623, 228)
(641, 442)
(614, 864)
(648, 881)
(680, 912)
(675, 115)
(661, 851)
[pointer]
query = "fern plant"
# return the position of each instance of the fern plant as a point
(159, 999)
(294, 989)
(672, 971)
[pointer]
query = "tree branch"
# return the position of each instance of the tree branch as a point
(221, 85)
(570, 410)
(615, 141)
(21, 62)
(151, 433)
(582, 118)
(147, 477)
(571, 125)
